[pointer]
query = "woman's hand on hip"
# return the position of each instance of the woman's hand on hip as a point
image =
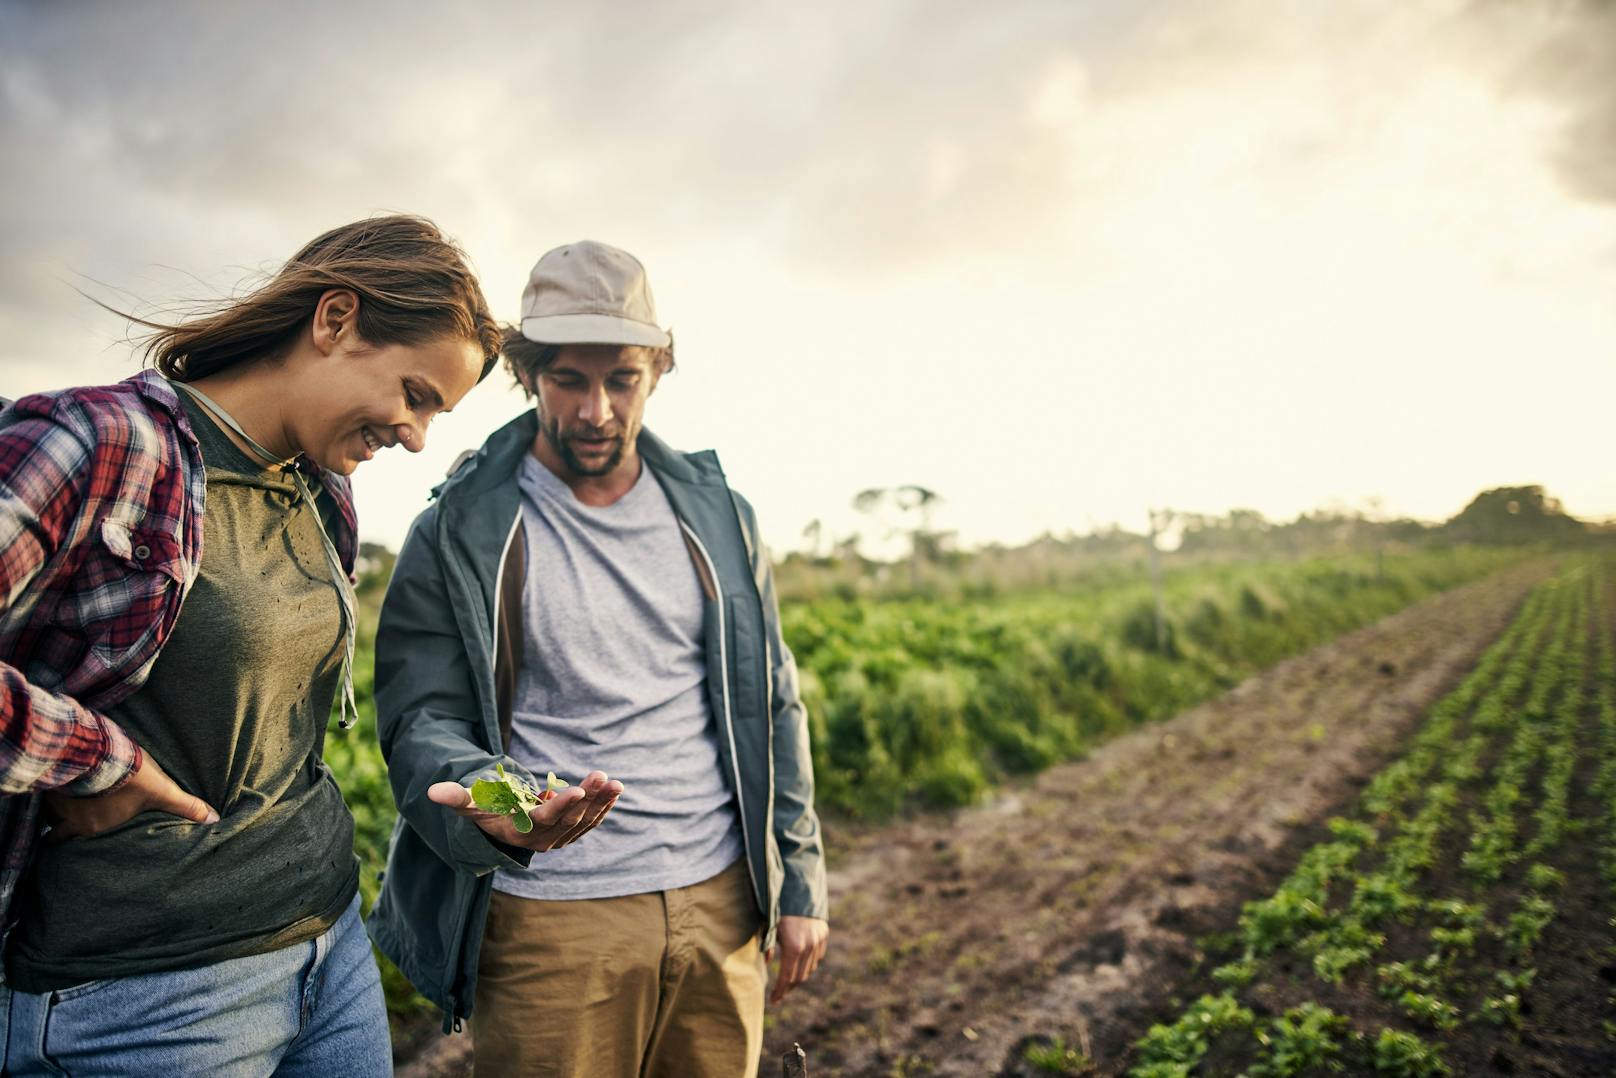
(149, 789)
(563, 818)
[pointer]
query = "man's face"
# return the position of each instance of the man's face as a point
(592, 404)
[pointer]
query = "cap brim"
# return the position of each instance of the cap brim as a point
(592, 329)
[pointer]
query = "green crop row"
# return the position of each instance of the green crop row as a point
(1520, 713)
(1413, 802)
(1492, 840)
(1604, 783)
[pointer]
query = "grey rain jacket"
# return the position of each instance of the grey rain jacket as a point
(447, 651)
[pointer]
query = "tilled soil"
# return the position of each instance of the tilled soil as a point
(1071, 907)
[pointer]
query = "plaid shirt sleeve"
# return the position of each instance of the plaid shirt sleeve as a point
(47, 740)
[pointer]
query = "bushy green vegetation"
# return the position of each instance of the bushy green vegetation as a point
(919, 703)
(1467, 895)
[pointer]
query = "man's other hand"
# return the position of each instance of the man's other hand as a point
(566, 817)
(801, 942)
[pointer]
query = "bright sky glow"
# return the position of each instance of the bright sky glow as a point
(1058, 262)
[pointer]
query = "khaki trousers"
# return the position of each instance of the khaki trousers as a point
(662, 985)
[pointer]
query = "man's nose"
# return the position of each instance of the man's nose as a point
(597, 407)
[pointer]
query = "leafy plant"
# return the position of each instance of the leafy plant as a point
(1504, 1009)
(1429, 1010)
(1525, 926)
(1184, 1042)
(1397, 978)
(1057, 1057)
(1303, 1037)
(1346, 945)
(1542, 877)
(510, 795)
(1407, 1056)
(1236, 974)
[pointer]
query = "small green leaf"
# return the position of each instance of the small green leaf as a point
(510, 795)
(493, 796)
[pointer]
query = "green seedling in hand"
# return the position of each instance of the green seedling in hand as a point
(508, 795)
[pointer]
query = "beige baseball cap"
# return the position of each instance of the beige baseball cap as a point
(590, 293)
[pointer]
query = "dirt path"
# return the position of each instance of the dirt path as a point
(1073, 904)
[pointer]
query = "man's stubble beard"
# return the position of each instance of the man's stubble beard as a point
(551, 429)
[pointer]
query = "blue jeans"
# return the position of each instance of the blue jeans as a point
(312, 1009)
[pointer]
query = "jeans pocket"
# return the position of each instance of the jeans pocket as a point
(51, 1030)
(67, 995)
(29, 1022)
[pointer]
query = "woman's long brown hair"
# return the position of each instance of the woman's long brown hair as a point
(413, 284)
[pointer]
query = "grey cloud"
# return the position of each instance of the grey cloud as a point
(767, 116)
(897, 130)
(1578, 66)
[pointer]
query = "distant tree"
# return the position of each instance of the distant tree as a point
(1513, 515)
(916, 505)
(1247, 520)
(814, 533)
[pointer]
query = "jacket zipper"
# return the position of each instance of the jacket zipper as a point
(729, 720)
(465, 910)
(499, 597)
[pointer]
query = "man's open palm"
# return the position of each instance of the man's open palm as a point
(563, 818)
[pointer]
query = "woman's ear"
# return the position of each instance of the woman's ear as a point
(336, 317)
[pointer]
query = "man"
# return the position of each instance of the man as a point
(581, 594)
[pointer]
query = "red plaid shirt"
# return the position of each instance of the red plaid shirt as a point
(101, 498)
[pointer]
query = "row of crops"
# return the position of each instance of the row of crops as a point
(1425, 924)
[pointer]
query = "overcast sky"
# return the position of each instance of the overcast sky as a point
(1058, 261)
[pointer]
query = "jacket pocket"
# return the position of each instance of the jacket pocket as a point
(748, 658)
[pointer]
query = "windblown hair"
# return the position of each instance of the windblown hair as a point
(526, 359)
(413, 283)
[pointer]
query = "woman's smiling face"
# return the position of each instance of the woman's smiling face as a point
(373, 397)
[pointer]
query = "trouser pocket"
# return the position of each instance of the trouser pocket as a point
(28, 1018)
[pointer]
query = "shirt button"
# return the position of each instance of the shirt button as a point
(142, 552)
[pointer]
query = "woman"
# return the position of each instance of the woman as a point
(193, 905)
